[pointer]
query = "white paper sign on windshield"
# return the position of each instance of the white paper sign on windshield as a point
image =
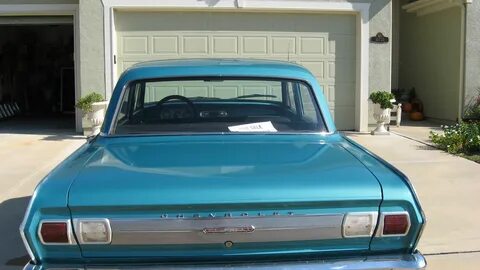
(254, 127)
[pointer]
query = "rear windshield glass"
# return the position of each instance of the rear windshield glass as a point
(218, 105)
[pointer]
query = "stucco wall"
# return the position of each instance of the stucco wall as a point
(92, 49)
(472, 51)
(7, 2)
(380, 54)
(380, 64)
(430, 60)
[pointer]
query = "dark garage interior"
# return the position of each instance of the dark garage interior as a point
(37, 77)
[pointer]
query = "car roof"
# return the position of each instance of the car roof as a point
(216, 67)
(213, 62)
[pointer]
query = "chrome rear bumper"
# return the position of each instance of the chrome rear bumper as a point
(406, 261)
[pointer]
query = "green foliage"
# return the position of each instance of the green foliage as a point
(383, 98)
(472, 111)
(85, 103)
(459, 138)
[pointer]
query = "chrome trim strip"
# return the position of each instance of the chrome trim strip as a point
(22, 230)
(113, 122)
(77, 223)
(244, 229)
(70, 236)
(166, 231)
(414, 261)
(381, 223)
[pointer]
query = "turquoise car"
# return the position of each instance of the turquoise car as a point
(222, 164)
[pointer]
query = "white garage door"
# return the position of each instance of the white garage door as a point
(325, 44)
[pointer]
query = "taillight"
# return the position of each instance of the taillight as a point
(359, 224)
(395, 224)
(55, 232)
(93, 231)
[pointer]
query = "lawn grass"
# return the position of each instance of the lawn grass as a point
(473, 157)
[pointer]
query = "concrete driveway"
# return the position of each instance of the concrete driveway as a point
(25, 160)
(449, 190)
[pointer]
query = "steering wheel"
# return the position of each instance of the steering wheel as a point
(181, 98)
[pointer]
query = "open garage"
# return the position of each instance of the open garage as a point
(37, 82)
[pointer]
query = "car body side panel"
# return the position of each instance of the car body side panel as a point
(398, 195)
(49, 201)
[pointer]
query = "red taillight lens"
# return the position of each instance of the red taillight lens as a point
(396, 224)
(54, 232)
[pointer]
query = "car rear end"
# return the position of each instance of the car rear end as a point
(250, 174)
(165, 214)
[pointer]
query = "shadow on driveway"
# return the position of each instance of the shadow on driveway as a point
(12, 252)
(49, 128)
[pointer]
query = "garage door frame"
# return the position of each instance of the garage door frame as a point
(12, 10)
(361, 10)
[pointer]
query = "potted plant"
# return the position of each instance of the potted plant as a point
(93, 106)
(383, 103)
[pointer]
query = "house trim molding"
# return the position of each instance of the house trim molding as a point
(425, 7)
(361, 10)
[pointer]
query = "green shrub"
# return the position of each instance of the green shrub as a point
(459, 138)
(85, 103)
(383, 98)
(472, 111)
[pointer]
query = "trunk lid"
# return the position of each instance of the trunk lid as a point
(185, 197)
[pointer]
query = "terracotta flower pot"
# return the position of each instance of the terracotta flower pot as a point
(416, 116)
(407, 107)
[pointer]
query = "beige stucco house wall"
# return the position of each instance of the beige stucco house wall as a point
(472, 51)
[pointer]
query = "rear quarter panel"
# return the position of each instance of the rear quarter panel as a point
(49, 201)
(398, 195)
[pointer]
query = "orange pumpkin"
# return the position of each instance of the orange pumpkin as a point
(416, 116)
(407, 107)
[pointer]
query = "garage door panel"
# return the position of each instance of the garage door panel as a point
(160, 21)
(312, 45)
(325, 44)
(316, 67)
(255, 45)
(283, 45)
(135, 45)
(195, 45)
(225, 44)
(195, 91)
(165, 44)
(126, 64)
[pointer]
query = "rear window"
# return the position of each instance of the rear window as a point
(218, 105)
